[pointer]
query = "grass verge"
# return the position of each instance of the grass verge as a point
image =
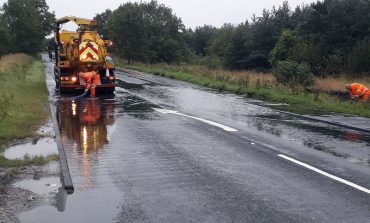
(39, 160)
(258, 85)
(23, 100)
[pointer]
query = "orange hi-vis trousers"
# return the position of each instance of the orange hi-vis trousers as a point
(91, 79)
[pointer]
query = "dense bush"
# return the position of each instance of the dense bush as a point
(293, 74)
(334, 64)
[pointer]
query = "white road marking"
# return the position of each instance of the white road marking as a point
(363, 189)
(224, 127)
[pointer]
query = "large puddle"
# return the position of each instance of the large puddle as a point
(43, 147)
(40, 186)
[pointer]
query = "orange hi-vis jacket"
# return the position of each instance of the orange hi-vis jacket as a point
(357, 90)
(91, 79)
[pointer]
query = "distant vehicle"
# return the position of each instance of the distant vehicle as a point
(77, 50)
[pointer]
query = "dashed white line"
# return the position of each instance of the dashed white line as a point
(224, 127)
(363, 189)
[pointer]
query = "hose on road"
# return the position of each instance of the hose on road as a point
(80, 96)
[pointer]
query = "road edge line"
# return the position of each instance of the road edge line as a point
(343, 181)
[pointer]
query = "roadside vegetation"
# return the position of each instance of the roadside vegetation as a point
(262, 86)
(23, 96)
(39, 160)
(330, 37)
(23, 99)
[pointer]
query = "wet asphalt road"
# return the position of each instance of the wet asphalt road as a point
(162, 150)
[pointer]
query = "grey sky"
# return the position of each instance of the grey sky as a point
(193, 12)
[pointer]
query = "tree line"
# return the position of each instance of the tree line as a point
(24, 25)
(329, 36)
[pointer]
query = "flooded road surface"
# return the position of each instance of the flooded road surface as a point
(162, 150)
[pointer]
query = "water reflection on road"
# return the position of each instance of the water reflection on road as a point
(83, 126)
(86, 127)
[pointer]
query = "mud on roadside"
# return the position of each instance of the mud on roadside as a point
(15, 199)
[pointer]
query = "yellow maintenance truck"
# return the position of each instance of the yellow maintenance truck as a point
(76, 50)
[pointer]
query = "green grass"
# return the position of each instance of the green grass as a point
(23, 96)
(39, 160)
(300, 102)
(23, 101)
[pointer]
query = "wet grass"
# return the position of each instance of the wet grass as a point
(260, 86)
(23, 100)
(39, 160)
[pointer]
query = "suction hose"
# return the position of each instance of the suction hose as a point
(82, 95)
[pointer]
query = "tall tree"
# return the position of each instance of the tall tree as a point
(5, 38)
(126, 29)
(201, 39)
(220, 42)
(240, 48)
(148, 32)
(102, 19)
(28, 22)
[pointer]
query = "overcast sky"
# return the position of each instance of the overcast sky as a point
(193, 12)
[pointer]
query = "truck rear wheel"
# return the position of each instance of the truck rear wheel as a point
(57, 80)
(109, 91)
(57, 87)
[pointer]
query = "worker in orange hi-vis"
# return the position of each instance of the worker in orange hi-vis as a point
(358, 91)
(91, 79)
